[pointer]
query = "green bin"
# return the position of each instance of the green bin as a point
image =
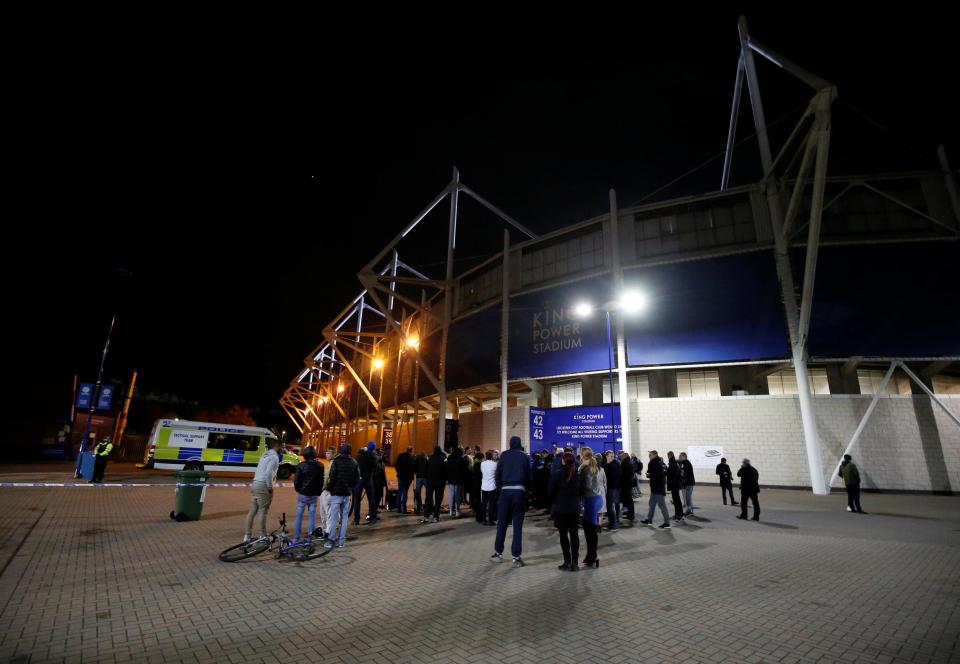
(191, 490)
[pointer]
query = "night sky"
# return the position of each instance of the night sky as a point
(244, 187)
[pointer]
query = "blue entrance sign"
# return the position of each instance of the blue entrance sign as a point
(105, 398)
(577, 426)
(85, 395)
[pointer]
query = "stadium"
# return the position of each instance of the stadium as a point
(788, 320)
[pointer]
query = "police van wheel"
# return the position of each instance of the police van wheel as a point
(284, 473)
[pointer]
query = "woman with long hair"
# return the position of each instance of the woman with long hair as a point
(564, 495)
(592, 490)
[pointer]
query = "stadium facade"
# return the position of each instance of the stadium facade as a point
(786, 321)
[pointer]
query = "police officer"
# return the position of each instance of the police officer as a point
(102, 451)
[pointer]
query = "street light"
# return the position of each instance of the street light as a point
(377, 364)
(413, 342)
(340, 388)
(629, 302)
(633, 302)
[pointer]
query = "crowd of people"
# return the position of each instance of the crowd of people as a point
(575, 486)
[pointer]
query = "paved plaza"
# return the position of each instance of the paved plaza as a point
(102, 574)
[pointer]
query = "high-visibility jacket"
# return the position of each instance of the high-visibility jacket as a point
(104, 449)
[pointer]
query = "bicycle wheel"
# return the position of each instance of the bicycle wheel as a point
(244, 550)
(319, 552)
(305, 550)
(294, 550)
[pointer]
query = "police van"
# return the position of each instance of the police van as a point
(221, 447)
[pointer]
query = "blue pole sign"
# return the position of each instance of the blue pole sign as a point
(538, 418)
(85, 395)
(106, 396)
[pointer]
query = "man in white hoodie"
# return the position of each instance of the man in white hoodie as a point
(261, 491)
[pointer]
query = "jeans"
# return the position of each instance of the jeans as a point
(402, 490)
(513, 506)
(853, 497)
(436, 498)
(339, 514)
(260, 498)
(613, 507)
(323, 510)
(569, 539)
(364, 485)
(417, 499)
(688, 497)
(724, 488)
(310, 504)
(455, 494)
(658, 500)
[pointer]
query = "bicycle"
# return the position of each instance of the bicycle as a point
(279, 541)
(307, 549)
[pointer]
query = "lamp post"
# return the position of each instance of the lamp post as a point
(630, 302)
(95, 397)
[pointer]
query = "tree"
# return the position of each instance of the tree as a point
(235, 414)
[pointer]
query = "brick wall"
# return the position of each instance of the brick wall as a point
(908, 444)
(483, 428)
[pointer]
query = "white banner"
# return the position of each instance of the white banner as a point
(703, 456)
(187, 439)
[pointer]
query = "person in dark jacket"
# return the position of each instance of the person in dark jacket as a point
(689, 481)
(637, 470)
(627, 482)
(674, 485)
(437, 475)
(749, 489)
(405, 466)
(657, 474)
(851, 480)
(614, 477)
(379, 480)
(513, 483)
(457, 477)
(557, 464)
(726, 481)
(367, 464)
(309, 485)
(466, 493)
(565, 501)
(343, 477)
(423, 482)
(101, 453)
(542, 479)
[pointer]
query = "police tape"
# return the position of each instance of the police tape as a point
(94, 485)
